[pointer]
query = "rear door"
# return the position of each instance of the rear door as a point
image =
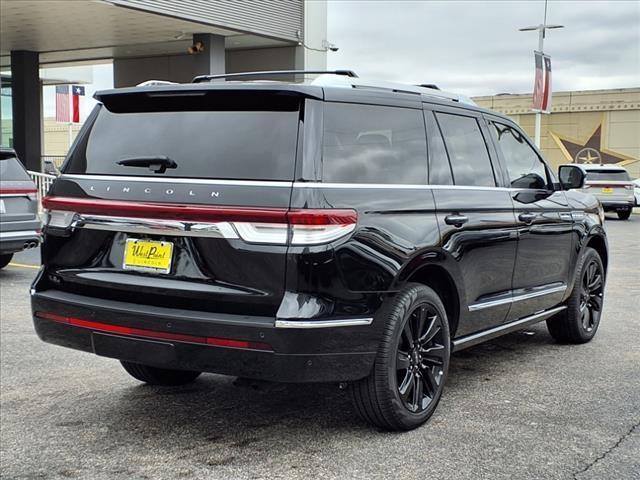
(544, 220)
(475, 216)
(178, 200)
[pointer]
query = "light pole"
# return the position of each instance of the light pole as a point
(542, 28)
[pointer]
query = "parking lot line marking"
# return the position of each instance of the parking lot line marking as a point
(23, 265)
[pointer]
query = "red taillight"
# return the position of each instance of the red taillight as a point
(277, 226)
(140, 332)
(172, 211)
(18, 191)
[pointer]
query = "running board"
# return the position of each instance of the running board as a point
(479, 337)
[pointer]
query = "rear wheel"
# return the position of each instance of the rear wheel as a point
(5, 259)
(410, 369)
(159, 376)
(579, 322)
(624, 214)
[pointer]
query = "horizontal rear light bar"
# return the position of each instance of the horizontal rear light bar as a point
(254, 225)
(140, 332)
(18, 191)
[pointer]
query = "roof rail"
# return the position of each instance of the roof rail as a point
(206, 78)
(433, 86)
(151, 83)
(421, 90)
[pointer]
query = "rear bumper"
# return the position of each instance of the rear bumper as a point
(614, 205)
(116, 329)
(16, 241)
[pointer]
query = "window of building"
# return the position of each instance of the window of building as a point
(525, 168)
(467, 150)
(373, 144)
(439, 167)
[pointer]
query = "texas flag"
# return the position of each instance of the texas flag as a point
(77, 91)
(542, 85)
(62, 103)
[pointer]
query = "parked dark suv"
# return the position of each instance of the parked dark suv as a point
(332, 231)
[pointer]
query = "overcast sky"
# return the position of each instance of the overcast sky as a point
(475, 48)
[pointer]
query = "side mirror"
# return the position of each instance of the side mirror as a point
(571, 177)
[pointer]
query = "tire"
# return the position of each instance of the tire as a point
(5, 259)
(159, 376)
(417, 369)
(624, 214)
(579, 322)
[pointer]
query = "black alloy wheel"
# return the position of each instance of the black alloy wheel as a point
(591, 295)
(420, 358)
(408, 376)
(579, 322)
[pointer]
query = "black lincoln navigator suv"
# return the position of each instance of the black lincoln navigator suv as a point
(336, 230)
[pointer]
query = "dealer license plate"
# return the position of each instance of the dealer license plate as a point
(147, 255)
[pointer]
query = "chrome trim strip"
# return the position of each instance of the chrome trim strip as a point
(399, 186)
(347, 322)
(154, 227)
(18, 234)
(479, 337)
(199, 181)
(516, 298)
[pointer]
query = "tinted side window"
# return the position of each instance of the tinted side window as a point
(373, 144)
(525, 168)
(439, 168)
(12, 170)
(467, 151)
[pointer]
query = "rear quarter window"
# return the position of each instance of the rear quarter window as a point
(373, 144)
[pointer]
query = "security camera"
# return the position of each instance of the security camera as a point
(329, 46)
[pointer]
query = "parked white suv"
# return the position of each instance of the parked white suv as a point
(611, 185)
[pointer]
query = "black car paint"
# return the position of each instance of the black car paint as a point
(232, 289)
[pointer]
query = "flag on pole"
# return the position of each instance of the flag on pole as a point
(77, 92)
(62, 103)
(542, 85)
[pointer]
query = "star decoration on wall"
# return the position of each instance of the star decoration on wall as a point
(590, 151)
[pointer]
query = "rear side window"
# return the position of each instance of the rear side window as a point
(613, 175)
(525, 168)
(12, 170)
(467, 150)
(439, 167)
(221, 144)
(373, 144)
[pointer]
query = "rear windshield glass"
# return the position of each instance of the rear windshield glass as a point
(608, 175)
(225, 144)
(11, 170)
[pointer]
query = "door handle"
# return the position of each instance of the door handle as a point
(527, 217)
(456, 220)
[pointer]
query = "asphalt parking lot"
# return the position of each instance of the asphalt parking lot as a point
(518, 407)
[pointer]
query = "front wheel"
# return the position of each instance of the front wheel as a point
(159, 376)
(410, 369)
(579, 322)
(624, 214)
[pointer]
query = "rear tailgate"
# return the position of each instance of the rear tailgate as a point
(18, 201)
(188, 236)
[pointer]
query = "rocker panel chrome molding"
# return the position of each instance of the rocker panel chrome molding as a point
(479, 337)
(517, 298)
